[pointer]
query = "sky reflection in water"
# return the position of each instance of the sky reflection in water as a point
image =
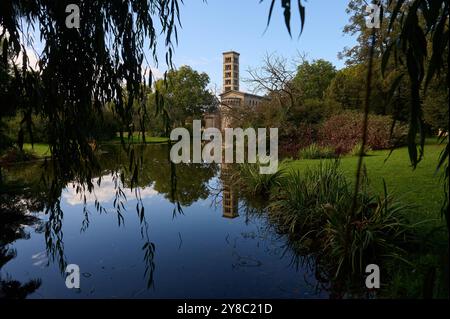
(199, 253)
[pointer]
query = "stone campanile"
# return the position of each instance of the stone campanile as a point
(230, 71)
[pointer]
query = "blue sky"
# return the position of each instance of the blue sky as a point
(208, 29)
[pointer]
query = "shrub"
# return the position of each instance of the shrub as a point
(294, 137)
(357, 148)
(14, 155)
(296, 207)
(255, 182)
(38, 129)
(315, 209)
(315, 151)
(343, 131)
(104, 127)
(375, 233)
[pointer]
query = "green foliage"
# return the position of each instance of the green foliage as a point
(81, 70)
(314, 78)
(347, 88)
(314, 206)
(186, 95)
(296, 204)
(356, 150)
(377, 232)
(256, 183)
(435, 105)
(106, 128)
(311, 111)
(347, 91)
(315, 151)
(419, 41)
(14, 125)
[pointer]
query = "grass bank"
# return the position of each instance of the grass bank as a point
(421, 187)
(402, 231)
(39, 150)
(137, 138)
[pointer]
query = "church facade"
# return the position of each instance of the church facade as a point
(231, 95)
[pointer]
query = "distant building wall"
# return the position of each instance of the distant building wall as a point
(212, 120)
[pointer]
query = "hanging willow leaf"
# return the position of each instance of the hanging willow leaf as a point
(270, 11)
(286, 5)
(439, 42)
(419, 20)
(301, 9)
(395, 12)
(83, 70)
(385, 58)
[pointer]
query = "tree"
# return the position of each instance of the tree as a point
(314, 78)
(275, 78)
(80, 70)
(435, 105)
(186, 95)
(346, 90)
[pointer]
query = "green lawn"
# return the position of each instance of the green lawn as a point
(42, 149)
(136, 138)
(421, 187)
(38, 149)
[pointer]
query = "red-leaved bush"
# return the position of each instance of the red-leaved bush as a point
(292, 138)
(343, 131)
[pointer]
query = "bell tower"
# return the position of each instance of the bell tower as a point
(230, 71)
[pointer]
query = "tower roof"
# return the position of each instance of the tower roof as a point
(228, 52)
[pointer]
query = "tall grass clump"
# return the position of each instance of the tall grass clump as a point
(256, 183)
(297, 206)
(357, 149)
(376, 233)
(314, 208)
(315, 151)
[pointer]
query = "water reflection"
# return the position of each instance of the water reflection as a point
(13, 226)
(229, 194)
(172, 241)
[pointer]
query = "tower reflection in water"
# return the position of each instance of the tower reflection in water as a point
(229, 195)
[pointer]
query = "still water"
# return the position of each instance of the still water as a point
(199, 241)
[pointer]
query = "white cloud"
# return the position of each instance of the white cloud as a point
(33, 59)
(104, 194)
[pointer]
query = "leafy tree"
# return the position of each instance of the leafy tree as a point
(346, 90)
(186, 95)
(435, 105)
(80, 70)
(314, 78)
(359, 53)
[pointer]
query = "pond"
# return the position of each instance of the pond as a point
(197, 239)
